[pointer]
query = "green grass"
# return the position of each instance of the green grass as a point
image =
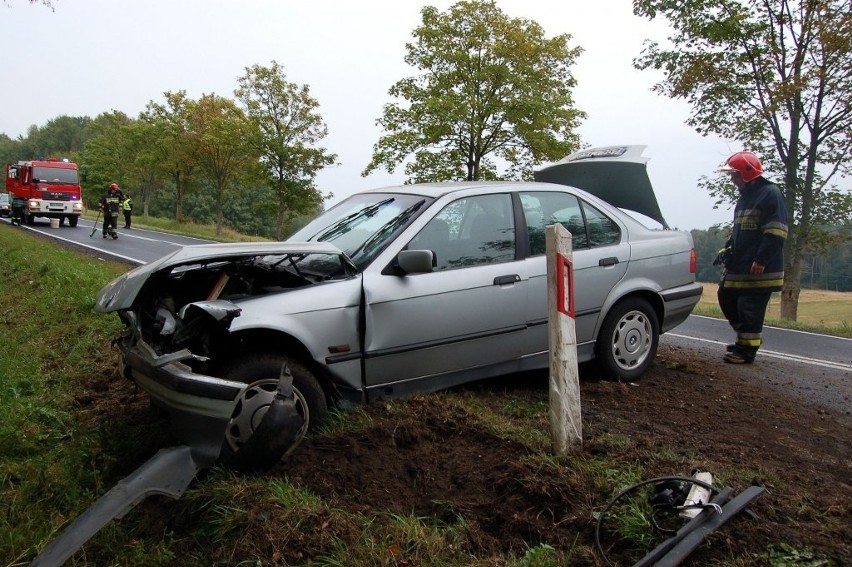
(185, 228)
(819, 311)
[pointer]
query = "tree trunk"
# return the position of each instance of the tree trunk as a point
(792, 288)
(281, 220)
(178, 198)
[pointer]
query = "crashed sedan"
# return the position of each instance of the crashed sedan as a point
(397, 291)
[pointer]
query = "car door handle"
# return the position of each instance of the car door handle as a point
(506, 280)
(611, 261)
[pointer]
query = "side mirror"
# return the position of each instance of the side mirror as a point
(416, 261)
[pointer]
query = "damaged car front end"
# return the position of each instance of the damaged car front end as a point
(177, 343)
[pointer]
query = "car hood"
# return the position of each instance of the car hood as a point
(121, 292)
(616, 174)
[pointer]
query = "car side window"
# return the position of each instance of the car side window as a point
(588, 226)
(546, 208)
(602, 230)
(469, 232)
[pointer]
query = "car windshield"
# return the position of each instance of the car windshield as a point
(362, 225)
(56, 175)
(4, 198)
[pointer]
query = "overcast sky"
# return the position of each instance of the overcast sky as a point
(94, 56)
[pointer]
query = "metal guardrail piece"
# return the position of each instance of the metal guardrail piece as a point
(167, 473)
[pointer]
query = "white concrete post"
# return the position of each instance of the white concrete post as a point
(566, 423)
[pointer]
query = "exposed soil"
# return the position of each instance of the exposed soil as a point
(428, 456)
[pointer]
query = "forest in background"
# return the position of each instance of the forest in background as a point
(251, 208)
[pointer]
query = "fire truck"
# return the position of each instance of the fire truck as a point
(44, 188)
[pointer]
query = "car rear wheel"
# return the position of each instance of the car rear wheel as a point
(261, 373)
(628, 340)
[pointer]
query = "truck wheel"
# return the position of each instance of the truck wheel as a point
(30, 220)
(72, 221)
(261, 373)
(627, 343)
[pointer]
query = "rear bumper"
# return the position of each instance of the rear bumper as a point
(678, 303)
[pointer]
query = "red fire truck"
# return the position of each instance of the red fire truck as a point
(44, 188)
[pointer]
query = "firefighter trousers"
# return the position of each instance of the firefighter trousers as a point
(745, 311)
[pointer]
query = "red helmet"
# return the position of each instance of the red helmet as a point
(746, 163)
(113, 186)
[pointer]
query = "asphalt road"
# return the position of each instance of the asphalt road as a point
(138, 246)
(818, 367)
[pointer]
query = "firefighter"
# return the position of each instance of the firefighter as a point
(127, 207)
(753, 258)
(110, 205)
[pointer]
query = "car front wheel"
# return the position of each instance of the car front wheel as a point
(628, 339)
(244, 448)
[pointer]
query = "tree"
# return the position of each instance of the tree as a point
(46, 3)
(490, 88)
(108, 156)
(290, 127)
(776, 76)
(175, 146)
(224, 141)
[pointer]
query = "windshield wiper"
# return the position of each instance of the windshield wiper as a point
(389, 227)
(341, 226)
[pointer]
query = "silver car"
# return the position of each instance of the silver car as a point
(398, 291)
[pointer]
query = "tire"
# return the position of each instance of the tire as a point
(72, 221)
(261, 373)
(627, 343)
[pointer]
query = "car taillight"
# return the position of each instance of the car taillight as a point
(693, 261)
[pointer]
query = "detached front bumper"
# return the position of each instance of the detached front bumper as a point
(173, 385)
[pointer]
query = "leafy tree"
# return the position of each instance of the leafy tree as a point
(61, 137)
(224, 141)
(46, 3)
(775, 75)
(491, 88)
(9, 149)
(175, 142)
(108, 156)
(290, 126)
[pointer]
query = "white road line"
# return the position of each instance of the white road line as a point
(773, 354)
(780, 329)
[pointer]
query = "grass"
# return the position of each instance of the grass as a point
(58, 452)
(820, 311)
(185, 228)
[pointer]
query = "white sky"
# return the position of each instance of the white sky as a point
(94, 56)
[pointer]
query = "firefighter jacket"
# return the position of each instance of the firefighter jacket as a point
(760, 229)
(111, 202)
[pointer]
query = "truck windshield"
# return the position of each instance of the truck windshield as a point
(55, 175)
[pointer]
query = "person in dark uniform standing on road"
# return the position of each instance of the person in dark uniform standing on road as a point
(127, 207)
(753, 258)
(110, 206)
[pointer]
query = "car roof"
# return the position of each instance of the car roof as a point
(440, 189)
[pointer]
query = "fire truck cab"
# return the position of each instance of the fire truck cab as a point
(44, 188)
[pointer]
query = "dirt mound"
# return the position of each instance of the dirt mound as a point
(431, 458)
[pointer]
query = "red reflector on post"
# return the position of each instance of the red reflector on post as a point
(565, 285)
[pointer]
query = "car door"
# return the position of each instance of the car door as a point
(431, 330)
(600, 258)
